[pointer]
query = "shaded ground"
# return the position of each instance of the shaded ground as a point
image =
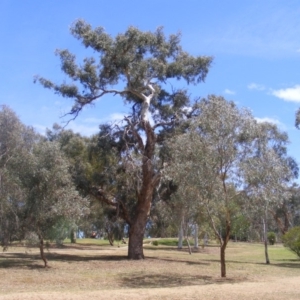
(101, 272)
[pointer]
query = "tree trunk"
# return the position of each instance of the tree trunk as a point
(223, 264)
(136, 236)
(110, 236)
(180, 236)
(266, 239)
(196, 243)
(205, 239)
(73, 235)
(41, 246)
(5, 234)
(224, 245)
(150, 180)
(189, 246)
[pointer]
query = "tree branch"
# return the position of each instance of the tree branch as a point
(100, 194)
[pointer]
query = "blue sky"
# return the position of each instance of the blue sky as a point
(255, 45)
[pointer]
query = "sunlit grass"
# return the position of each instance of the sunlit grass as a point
(90, 241)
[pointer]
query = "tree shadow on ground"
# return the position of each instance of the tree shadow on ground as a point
(185, 249)
(180, 261)
(172, 280)
(294, 263)
(85, 247)
(282, 265)
(23, 259)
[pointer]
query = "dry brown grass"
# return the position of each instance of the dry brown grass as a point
(101, 272)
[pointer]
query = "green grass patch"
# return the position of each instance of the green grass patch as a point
(171, 242)
(89, 241)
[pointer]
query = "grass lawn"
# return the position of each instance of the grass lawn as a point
(91, 269)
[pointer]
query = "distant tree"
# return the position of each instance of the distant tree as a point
(139, 67)
(267, 172)
(291, 240)
(287, 214)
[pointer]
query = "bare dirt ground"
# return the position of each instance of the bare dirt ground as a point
(101, 272)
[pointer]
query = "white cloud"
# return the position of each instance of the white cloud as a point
(229, 92)
(255, 86)
(93, 120)
(289, 94)
(269, 120)
(90, 126)
(83, 129)
(116, 117)
(40, 128)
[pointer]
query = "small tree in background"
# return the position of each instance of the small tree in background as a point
(291, 240)
(271, 237)
(52, 202)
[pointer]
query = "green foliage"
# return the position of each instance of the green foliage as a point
(171, 242)
(16, 142)
(59, 231)
(32, 238)
(134, 57)
(271, 236)
(291, 240)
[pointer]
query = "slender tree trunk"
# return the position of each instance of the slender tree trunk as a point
(196, 243)
(110, 237)
(180, 236)
(73, 235)
(224, 245)
(41, 246)
(222, 258)
(188, 243)
(266, 238)
(205, 239)
(5, 234)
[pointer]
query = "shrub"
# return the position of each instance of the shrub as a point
(271, 238)
(155, 243)
(291, 240)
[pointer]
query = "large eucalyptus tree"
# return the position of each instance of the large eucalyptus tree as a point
(139, 67)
